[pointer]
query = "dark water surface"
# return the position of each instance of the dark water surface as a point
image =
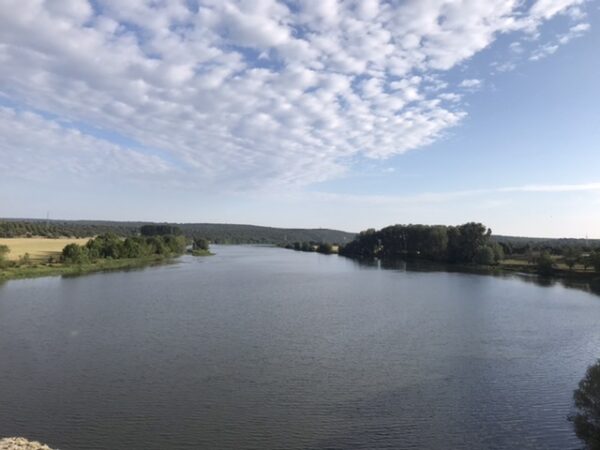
(264, 348)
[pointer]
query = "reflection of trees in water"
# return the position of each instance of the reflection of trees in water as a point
(587, 402)
(408, 265)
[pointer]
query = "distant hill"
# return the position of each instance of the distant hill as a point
(215, 232)
(231, 233)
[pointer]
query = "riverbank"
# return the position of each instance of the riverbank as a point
(101, 265)
(200, 252)
(526, 270)
(18, 443)
(510, 266)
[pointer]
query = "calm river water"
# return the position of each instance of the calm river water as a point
(265, 348)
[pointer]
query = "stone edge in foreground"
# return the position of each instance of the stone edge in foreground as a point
(16, 443)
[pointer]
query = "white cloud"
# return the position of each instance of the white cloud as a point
(242, 94)
(471, 84)
(38, 148)
(446, 196)
(551, 47)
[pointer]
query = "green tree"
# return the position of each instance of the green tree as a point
(175, 244)
(75, 254)
(157, 245)
(107, 245)
(595, 260)
(200, 244)
(587, 401)
(306, 247)
(4, 250)
(133, 247)
(484, 256)
(498, 252)
(325, 248)
(159, 230)
(544, 264)
(571, 257)
(25, 260)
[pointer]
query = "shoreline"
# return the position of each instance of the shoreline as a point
(101, 265)
(590, 278)
(59, 269)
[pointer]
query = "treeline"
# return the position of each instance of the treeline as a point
(160, 230)
(111, 246)
(58, 229)
(215, 233)
(515, 245)
(319, 247)
(252, 234)
(463, 244)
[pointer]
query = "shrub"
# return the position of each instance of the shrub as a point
(484, 255)
(544, 264)
(587, 401)
(325, 248)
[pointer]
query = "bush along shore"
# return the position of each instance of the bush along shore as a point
(200, 247)
(155, 245)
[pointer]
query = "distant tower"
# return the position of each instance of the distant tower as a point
(47, 218)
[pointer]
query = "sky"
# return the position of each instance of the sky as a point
(316, 113)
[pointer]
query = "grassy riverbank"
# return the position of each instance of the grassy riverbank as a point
(40, 257)
(102, 265)
(200, 252)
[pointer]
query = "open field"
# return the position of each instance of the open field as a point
(523, 264)
(39, 249)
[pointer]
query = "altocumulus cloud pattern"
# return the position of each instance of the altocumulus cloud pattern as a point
(251, 93)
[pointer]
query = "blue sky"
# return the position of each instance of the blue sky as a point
(345, 115)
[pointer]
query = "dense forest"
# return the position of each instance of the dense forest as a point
(215, 233)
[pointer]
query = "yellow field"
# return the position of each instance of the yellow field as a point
(39, 249)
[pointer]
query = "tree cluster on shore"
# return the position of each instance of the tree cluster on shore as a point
(463, 244)
(320, 247)
(111, 246)
(473, 243)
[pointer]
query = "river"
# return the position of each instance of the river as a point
(266, 348)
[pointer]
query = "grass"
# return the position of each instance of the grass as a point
(200, 252)
(561, 270)
(38, 248)
(44, 270)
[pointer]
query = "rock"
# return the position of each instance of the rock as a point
(18, 443)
